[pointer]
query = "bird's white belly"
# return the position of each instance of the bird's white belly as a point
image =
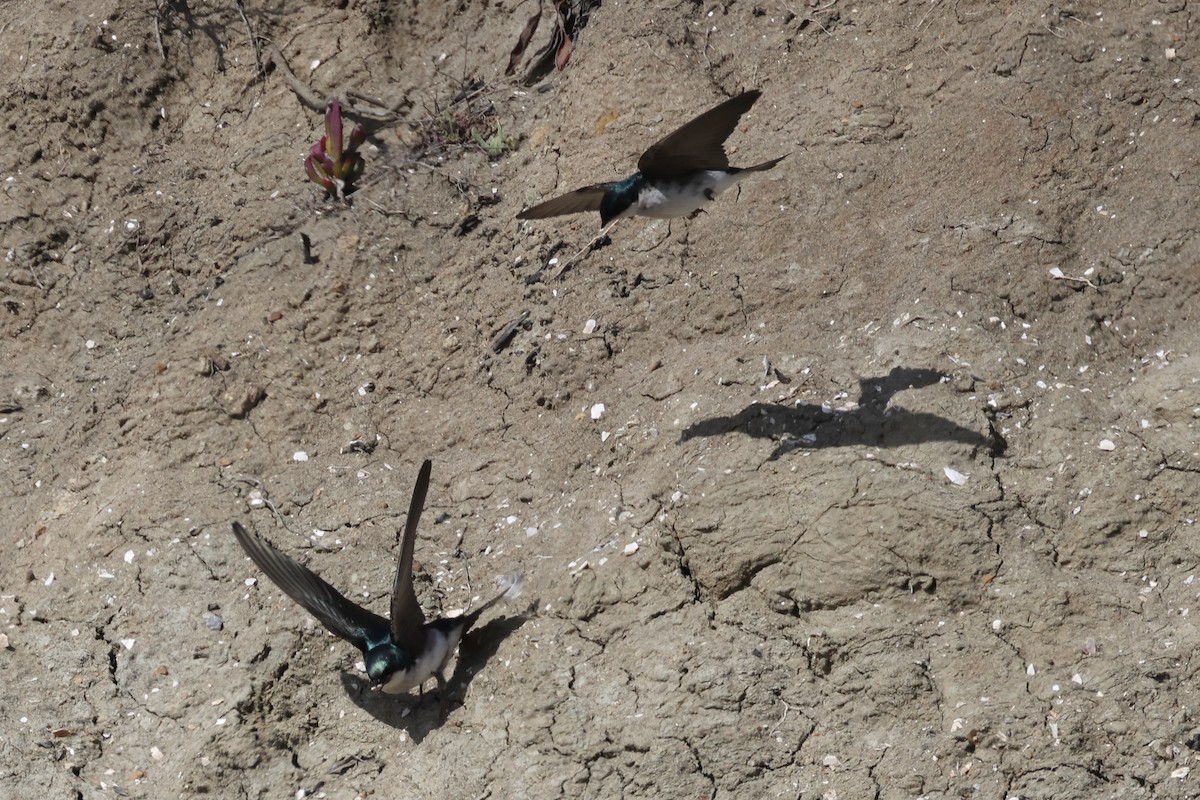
(683, 196)
(437, 651)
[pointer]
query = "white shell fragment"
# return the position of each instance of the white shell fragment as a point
(299, 455)
(589, 327)
(630, 548)
(954, 476)
(597, 410)
(1107, 444)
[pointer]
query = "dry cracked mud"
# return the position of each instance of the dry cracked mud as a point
(894, 489)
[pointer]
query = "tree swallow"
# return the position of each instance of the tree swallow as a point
(400, 654)
(676, 176)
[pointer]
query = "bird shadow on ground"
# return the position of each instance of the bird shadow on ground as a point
(805, 426)
(420, 714)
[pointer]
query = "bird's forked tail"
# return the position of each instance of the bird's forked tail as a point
(510, 589)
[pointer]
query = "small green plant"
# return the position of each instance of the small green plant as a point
(496, 144)
(332, 163)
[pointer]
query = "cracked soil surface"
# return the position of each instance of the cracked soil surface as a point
(913, 516)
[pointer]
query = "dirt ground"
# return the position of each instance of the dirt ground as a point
(893, 490)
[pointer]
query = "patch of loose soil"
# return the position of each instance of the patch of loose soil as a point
(790, 382)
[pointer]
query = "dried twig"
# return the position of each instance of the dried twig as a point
(258, 64)
(502, 339)
(587, 248)
(158, 30)
(371, 120)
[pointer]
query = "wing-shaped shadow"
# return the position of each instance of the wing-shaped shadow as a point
(419, 714)
(805, 426)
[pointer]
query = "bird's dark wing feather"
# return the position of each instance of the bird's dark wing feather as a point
(586, 199)
(342, 617)
(700, 144)
(408, 621)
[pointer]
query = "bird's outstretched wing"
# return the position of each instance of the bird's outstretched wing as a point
(408, 621)
(340, 616)
(586, 199)
(700, 144)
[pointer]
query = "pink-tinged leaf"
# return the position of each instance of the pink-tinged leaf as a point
(325, 163)
(514, 60)
(563, 55)
(333, 129)
(318, 150)
(357, 137)
(357, 169)
(316, 175)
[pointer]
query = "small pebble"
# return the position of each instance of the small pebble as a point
(954, 476)
(1107, 444)
(214, 622)
(630, 548)
(597, 410)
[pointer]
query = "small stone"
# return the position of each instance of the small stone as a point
(954, 476)
(214, 622)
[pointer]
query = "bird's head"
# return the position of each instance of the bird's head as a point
(619, 197)
(383, 661)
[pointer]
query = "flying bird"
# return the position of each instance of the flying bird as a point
(677, 175)
(400, 653)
